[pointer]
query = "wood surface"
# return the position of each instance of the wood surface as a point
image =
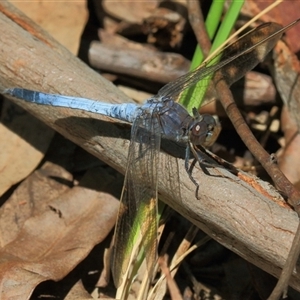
(254, 223)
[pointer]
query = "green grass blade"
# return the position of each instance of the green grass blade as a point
(194, 96)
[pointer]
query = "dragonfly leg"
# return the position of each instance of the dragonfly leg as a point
(204, 158)
(214, 159)
(200, 157)
(189, 170)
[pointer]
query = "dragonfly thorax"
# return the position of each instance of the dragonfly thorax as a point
(204, 130)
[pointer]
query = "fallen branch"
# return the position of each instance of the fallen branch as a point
(233, 212)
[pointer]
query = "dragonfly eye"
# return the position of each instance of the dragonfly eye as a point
(204, 131)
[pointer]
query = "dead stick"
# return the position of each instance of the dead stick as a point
(197, 22)
(279, 178)
(198, 25)
(230, 210)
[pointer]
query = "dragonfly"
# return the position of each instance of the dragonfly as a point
(162, 117)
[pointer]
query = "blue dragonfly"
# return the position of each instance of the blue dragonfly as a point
(161, 116)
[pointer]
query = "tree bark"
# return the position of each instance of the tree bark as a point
(245, 215)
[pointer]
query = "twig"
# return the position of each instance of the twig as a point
(137, 62)
(281, 182)
(198, 25)
(34, 60)
(282, 284)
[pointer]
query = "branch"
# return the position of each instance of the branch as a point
(243, 219)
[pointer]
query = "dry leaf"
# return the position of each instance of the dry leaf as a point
(52, 243)
(24, 141)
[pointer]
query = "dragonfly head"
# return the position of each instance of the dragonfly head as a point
(204, 130)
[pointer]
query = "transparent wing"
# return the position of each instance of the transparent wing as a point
(235, 60)
(139, 198)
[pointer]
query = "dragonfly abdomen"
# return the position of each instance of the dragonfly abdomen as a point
(124, 112)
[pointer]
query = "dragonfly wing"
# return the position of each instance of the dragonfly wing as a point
(234, 61)
(138, 212)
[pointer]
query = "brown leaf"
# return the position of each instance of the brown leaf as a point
(289, 161)
(64, 20)
(286, 77)
(31, 198)
(283, 14)
(24, 141)
(52, 243)
(78, 292)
